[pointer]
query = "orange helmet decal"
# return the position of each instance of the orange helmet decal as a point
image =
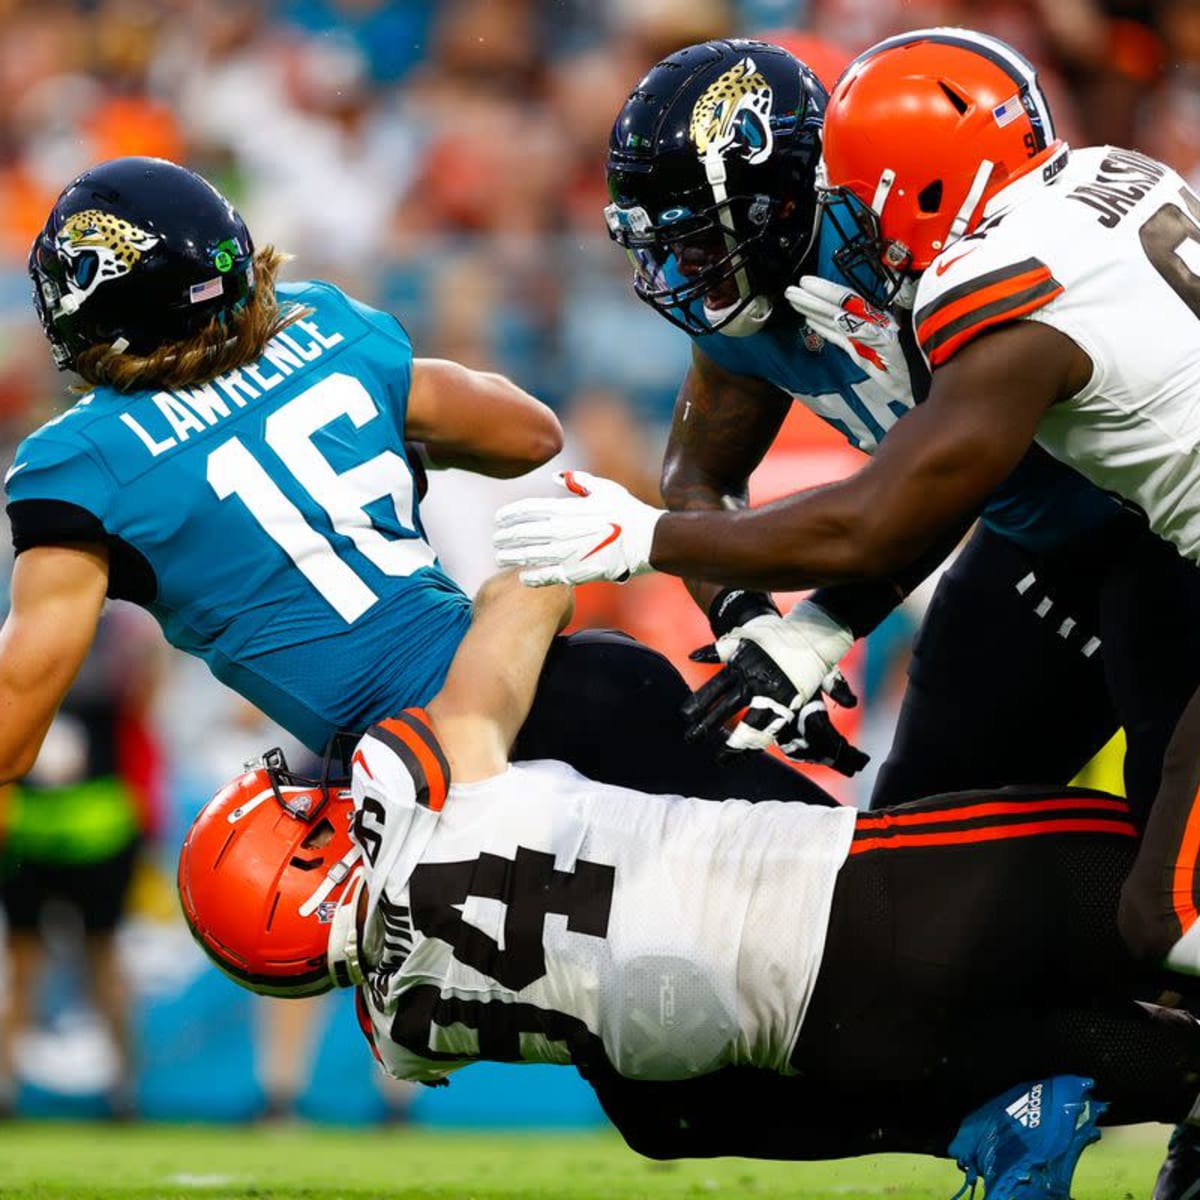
(923, 129)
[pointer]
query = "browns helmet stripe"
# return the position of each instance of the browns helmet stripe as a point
(1014, 64)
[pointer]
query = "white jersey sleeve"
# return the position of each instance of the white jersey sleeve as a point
(1108, 254)
(542, 917)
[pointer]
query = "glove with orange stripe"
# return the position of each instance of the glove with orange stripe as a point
(602, 532)
(868, 334)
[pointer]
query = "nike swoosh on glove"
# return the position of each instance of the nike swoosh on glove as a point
(601, 532)
(868, 334)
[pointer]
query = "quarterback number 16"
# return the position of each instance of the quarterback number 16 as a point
(234, 471)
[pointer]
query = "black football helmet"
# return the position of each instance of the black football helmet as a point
(138, 251)
(711, 172)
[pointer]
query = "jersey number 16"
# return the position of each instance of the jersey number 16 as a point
(343, 495)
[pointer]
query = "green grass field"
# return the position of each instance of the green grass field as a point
(164, 1162)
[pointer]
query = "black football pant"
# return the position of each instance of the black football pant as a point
(973, 945)
(1025, 665)
(611, 707)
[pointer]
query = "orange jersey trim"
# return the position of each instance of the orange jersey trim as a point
(962, 313)
(991, 808)
(411, 736)
(1183, 880)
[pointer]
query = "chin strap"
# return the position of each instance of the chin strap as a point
(345, 965)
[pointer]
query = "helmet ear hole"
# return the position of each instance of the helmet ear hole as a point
(959, 101)
(929, 199)
(320, 835)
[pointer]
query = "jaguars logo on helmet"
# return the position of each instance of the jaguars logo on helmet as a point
(99, 246)
(735, 114)
(711, 172)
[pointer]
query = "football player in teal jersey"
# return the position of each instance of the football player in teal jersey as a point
(1044, 634)
(242, 468)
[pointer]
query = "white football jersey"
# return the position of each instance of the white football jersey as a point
(541, 917)
(1108, 253)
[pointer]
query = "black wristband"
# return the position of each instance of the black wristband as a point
(732, 607)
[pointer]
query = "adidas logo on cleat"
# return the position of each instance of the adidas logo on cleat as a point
(1027, 1109)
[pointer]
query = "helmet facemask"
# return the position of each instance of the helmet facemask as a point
(689, 259)
(850, 244)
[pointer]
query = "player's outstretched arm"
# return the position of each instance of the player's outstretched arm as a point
(492, 679)
(57, 596)
(478, 420)
(936, 466)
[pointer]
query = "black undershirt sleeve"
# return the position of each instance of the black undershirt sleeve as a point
(860, 607)
(58, 523)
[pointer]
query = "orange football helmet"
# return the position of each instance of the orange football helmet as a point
(269, 877)
(921, 132)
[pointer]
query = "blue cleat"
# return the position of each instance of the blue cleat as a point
(1024, 1144)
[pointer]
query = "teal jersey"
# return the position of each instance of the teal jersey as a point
(267, 519)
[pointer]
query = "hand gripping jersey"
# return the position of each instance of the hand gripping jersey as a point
(1039, 505)
(266, 519)
(538, 916)
(1109, 253)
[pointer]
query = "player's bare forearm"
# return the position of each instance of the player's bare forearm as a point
(478, 421)
(57, 596)
(492, 679)
(722, 426)
(931, 472)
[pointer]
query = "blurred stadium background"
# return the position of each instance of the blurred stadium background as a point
(442, 160)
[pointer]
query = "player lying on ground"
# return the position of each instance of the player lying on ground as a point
(856, 982)
(243, 468)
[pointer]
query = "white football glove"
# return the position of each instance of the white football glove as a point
(806, 645)
(775, 667)
(602, 532)
(868, 334)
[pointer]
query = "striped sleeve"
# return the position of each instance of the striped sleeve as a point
(961, 313)
(411, 738)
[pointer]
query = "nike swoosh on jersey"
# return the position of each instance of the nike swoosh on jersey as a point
(612, 537)
(941, 268)
(13, 470)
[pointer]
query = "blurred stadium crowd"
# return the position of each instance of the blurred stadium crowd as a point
(444, 160)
